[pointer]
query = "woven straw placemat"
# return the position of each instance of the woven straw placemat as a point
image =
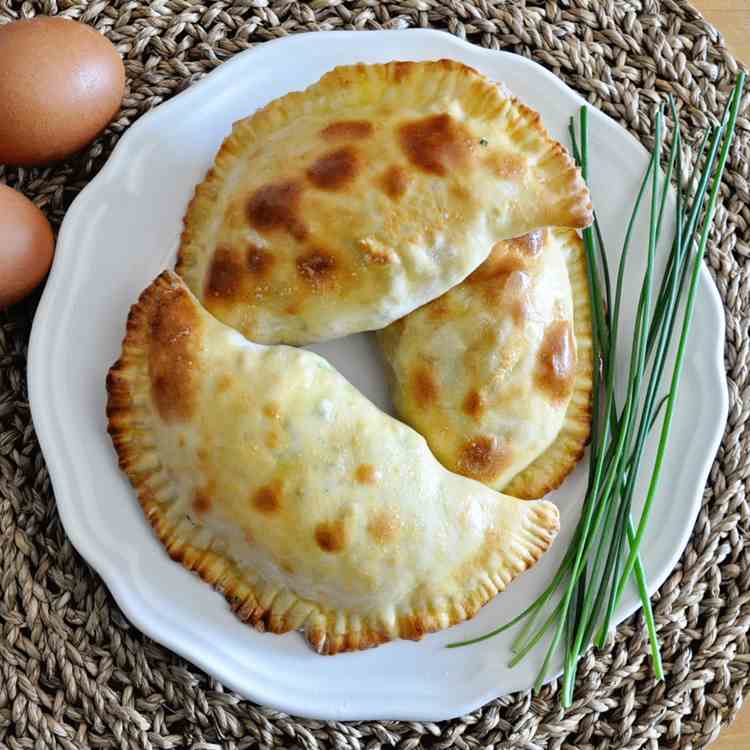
(74, 673)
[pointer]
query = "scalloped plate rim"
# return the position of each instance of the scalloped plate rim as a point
(49, 429)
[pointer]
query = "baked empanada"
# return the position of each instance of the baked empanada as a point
(343, 207)
(270, 475)
(497, 373)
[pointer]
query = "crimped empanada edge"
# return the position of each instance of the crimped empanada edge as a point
(280, 611)
(570, 200)
(569, 203)
(548, 471)
(331, 632)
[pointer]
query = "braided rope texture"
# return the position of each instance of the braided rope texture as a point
(75, 674)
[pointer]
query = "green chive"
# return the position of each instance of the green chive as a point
(590, 573)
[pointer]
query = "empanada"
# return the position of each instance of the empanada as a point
(343, 207)
(497, 373)
(270, 475)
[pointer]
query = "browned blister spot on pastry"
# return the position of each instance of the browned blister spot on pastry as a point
(276, 207)
(317, 268)
(383, 526)
(373, 253)
(258, 261)
(424, 386)
(202, 501)
(267, 499)
(394, 181)
(483, 458)
(492, 290)
(398, 327)
(347, 130)
(413, 627)
(473, 405)
(437, 144)
(223, 383)
(204, 459)
(401, 70)
(460, 194)
(273, 439)
(335, 169)
(332, 536)
(177, 553)
(438, 309)
(271, 410)
(556, 363)
(377, 257)
(506, 257)
(505, 165)
(175, 338)
(224, 279)
(366, 474)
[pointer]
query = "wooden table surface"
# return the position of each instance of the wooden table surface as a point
(732, 18)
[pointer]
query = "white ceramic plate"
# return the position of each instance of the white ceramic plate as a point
(123, 229)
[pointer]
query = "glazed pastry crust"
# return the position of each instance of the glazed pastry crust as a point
(264, 471)
(497, 373)
(313, 224)
(548, 471)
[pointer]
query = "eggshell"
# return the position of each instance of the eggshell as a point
(61, 82)
(26, 246)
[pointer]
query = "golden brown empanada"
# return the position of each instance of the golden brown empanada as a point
(497, 373)
(344, 207)
(266, 472)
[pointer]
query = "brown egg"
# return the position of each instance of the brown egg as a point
(61, 82)
(26, 246)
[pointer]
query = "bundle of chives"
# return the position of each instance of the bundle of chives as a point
(592, 575)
